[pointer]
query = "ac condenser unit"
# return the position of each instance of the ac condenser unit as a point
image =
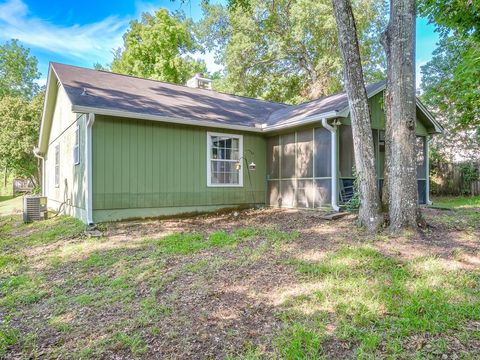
(34, 208)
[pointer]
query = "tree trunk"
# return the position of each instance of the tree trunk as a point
(369, 213)
(399, 43)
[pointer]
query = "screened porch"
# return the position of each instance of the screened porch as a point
(299, 167)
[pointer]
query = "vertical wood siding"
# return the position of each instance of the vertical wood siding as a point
(147, 164)
(378, 116)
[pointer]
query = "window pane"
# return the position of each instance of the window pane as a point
(347, 160)
(322, 192)
(273, 157)
(235, 144)
(224, 172)
(421, 158)
(224, 153)
(323, 153)
(288, 156)
(304, 154)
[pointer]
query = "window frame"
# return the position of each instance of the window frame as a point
(57, 166)
(209, 159)
(76, 146)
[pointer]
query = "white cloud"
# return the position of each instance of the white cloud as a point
(89, 42)
(86, 43)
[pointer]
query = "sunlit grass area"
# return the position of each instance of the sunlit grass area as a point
(263, 289)
(10, 205)
(464, 212)
(457, 202)
(376, 304)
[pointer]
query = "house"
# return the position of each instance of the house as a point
(117, 147)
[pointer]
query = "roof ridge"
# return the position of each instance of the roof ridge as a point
(169, 83)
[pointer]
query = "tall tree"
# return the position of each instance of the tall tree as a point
(287, 50)
(450, 79)
(19, 121)
(399, 43)
(400, 110)
(158, 47)
(18, 71)
(451, 90)
(369, 212)
(20, 108)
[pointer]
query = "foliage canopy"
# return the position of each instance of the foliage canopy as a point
(18, 71)
(287, 51)
(19, 121)
(157, 47)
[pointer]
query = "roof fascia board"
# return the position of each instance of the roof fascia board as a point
(128, 114)
(43, 136)
(436, 125)
(303, 121)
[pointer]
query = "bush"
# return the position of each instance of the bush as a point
(469, 175)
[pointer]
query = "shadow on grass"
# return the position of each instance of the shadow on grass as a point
(183, 291)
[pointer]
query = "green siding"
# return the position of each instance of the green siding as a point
(378, 116)
(141, 164)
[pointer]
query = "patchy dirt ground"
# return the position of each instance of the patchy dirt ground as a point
(253, 284)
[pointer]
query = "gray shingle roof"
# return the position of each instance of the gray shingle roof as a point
(109, 91)
(323, 105)
(105, 90)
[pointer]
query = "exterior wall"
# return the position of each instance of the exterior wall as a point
(147, 168)
(70, 189)
(378, 116)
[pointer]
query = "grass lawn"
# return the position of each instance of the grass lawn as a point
(457, 202)
(263, 284)
(10, 205)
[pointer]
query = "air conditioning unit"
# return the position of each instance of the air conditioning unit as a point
(34, 208)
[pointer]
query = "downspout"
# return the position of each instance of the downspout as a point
(88, 167)
(427, 184)
(36, 153)
(333, 132)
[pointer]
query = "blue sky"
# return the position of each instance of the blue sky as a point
(85, 32)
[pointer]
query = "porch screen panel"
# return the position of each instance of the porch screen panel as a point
(273, 157)
(287, 191)
(422, 191)
(381, 153)
(421, 158)
(288, 156)
(323, 192)
(304, 166)
(375, 148)
(305, 193)
(323, 153)
(347, 160)
(273, 193)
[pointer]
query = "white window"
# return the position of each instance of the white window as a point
(224, 159)
(57, 165)
(76, 147)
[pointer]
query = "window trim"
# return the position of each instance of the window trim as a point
(57, 166)
(76, 146)
(209, 159)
